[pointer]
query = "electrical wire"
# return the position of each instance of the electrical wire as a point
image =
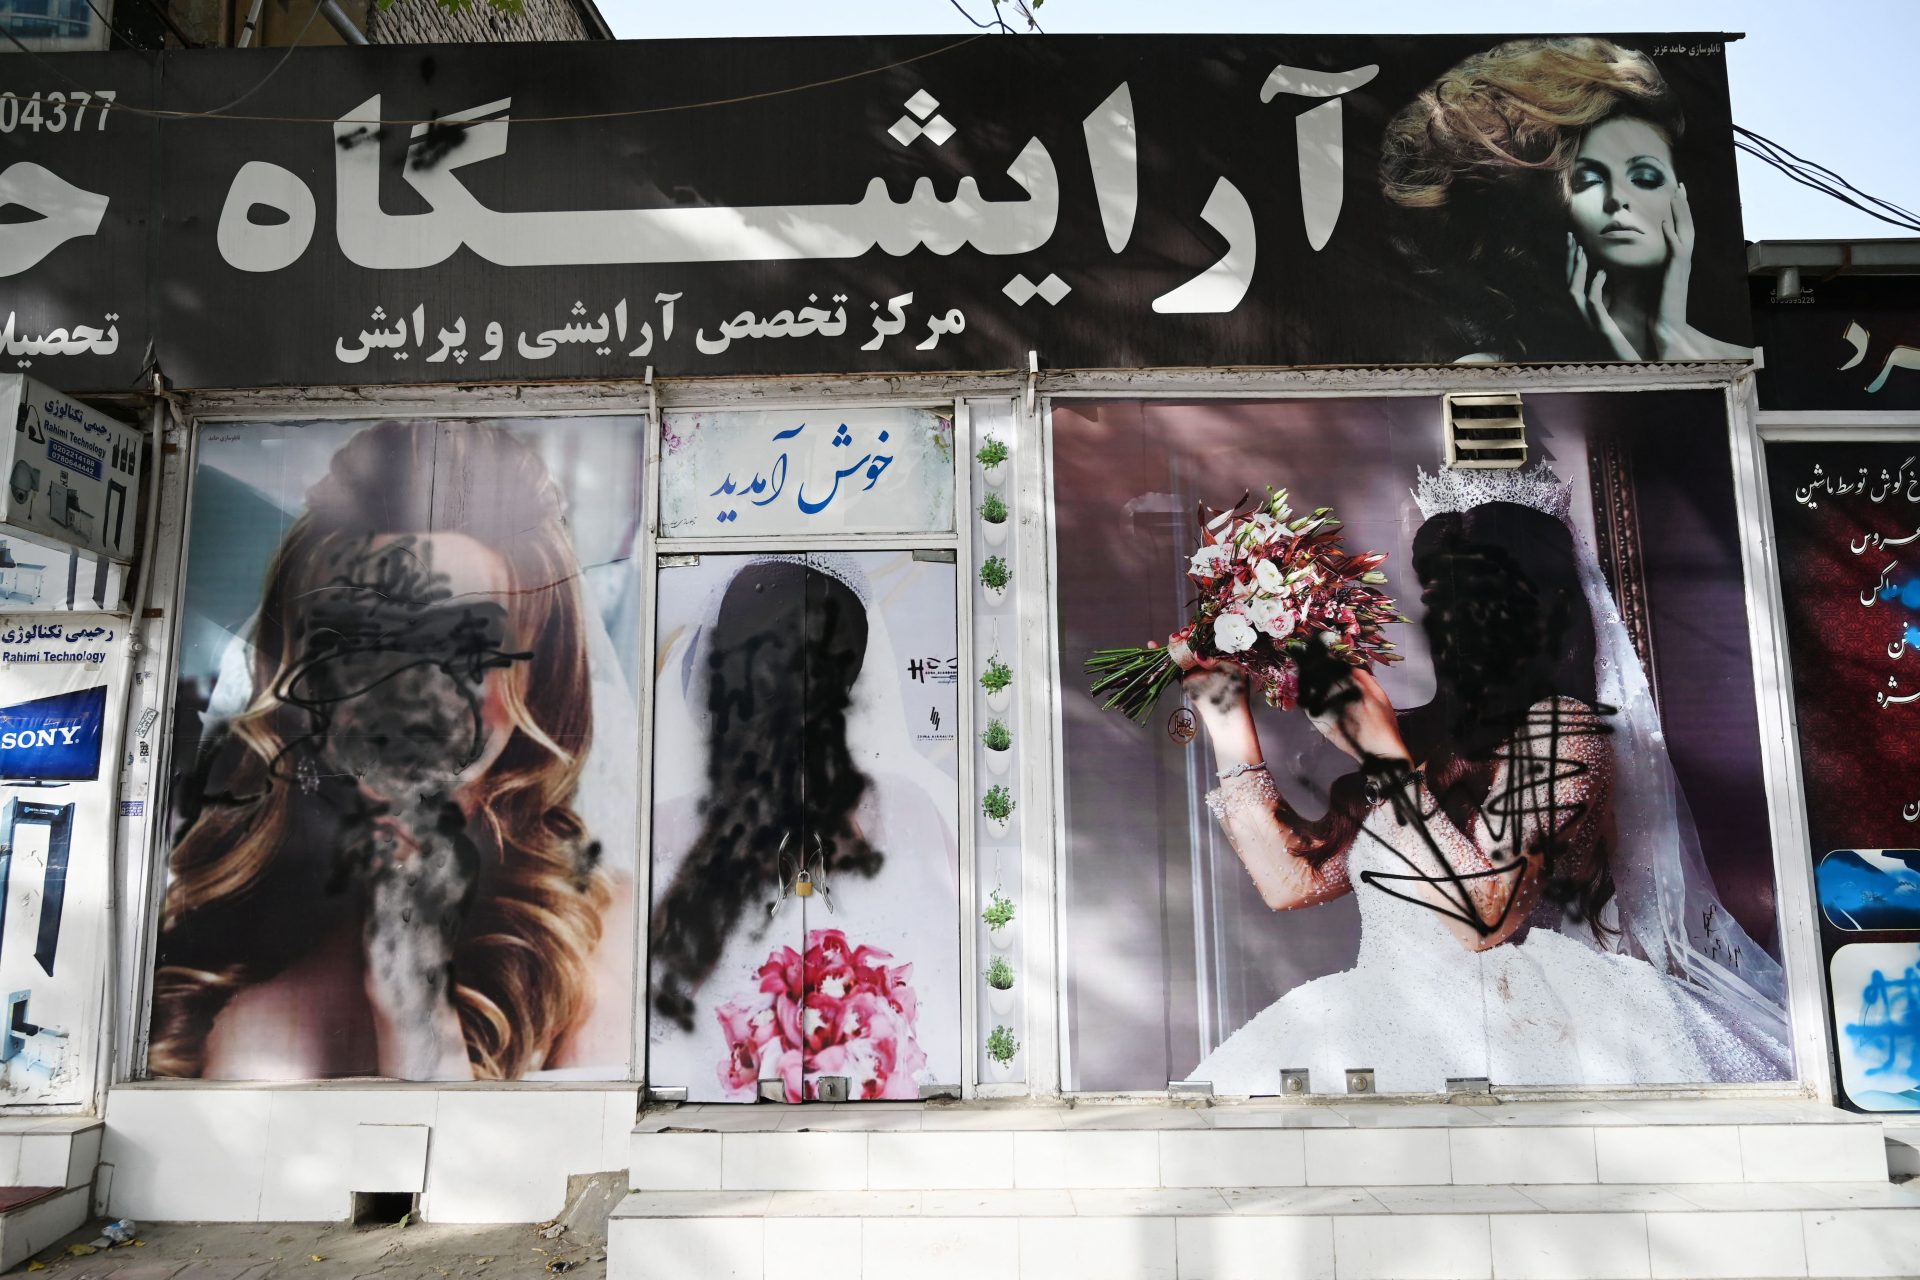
(998, 23)
(224, 112)
(1817, 176)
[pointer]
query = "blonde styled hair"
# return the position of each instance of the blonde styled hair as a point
(1523, 105)
(1476, 172)
(521, 971)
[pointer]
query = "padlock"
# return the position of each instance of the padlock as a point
(804, 885)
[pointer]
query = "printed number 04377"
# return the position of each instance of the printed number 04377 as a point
(56, 112)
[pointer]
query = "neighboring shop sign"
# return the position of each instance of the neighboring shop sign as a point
(56, 737)
(1846, 520)
(1852, 342)
(60, 697)
(764, 472)
(864, 204)
(72, 473)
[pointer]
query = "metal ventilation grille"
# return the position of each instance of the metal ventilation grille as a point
(1485, 432)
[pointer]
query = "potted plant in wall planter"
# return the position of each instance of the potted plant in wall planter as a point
(994, 577)
(998, 740)
(997, 805)
(993, 520)
(995, 680)
(993, 456)
(1001, 1046)
(1000, 987)
(998, 915)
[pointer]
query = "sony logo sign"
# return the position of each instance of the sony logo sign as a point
(40, 738)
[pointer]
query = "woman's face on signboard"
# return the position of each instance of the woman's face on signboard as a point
(1620, 193)
(407, 670)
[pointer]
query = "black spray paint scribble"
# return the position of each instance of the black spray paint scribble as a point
(392, 669)
(1512, 643)
(1537, 774)
(391, 673)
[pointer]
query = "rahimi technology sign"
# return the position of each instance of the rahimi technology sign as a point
(72, 474)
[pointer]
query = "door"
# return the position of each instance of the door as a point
(805, 920)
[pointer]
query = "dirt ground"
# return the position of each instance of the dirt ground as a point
(325, 1251)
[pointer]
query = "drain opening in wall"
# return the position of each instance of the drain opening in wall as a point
(384, 1208)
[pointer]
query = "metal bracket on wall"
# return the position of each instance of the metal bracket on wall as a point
(1033, 379)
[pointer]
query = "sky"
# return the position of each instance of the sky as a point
(1832, 80)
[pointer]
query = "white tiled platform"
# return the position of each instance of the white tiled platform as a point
(987, 1146)
(46, 1151)
(1610, 1190)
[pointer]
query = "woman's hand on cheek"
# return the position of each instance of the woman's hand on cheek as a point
(1589, 298)
(1673, 337)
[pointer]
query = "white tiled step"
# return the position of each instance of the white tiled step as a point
(754, 1149)
(49, 1151)
(32, 1227)
(1526, 1232)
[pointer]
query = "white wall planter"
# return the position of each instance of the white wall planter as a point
(999, 762)
(1001, 938)
(999, 1002)
(1000, 827)
(998, 700)
(995, 596)
(994, 535)
(1000, 1072)
(994, 475)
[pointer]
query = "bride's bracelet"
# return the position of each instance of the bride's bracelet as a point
(1227, 775)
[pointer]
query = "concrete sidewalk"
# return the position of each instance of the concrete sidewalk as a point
(325, 1251)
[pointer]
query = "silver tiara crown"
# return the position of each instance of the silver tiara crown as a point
(1537, 487)
(834, 564)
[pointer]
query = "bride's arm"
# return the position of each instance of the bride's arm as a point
(1263, 829)
(1546, 803)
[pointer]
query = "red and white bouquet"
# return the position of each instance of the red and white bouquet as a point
(839, 1010)
(1271, 583)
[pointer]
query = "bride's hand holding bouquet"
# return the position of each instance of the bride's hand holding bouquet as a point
(1274, 589)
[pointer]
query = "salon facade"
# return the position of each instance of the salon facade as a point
(720, 461)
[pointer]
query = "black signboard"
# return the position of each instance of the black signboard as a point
(1849, 342)
(564, 211)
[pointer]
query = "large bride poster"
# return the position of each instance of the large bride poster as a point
(1535, 850)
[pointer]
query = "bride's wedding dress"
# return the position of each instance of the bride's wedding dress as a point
(1419, 1006)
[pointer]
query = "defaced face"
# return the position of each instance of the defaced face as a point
(405, 661)
(1621, 193)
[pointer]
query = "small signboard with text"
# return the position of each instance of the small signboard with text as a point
(73, 474)
(759, 472)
